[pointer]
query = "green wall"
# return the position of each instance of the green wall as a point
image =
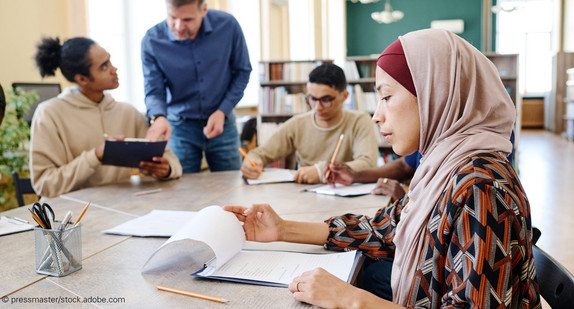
(365, 36)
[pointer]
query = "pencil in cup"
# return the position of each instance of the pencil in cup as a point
(248, 158)
(192, 294)
(335, 154)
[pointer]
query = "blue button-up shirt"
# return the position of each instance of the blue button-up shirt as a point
(194, 78)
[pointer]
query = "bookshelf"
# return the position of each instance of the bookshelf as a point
(282, 88)
(282, 91)
(569, 100)
(507, 66)
(360, 73)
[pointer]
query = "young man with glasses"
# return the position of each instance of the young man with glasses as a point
(313, 135)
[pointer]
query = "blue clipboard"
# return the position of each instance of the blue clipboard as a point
(131, 153)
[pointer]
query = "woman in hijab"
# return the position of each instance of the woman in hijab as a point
(462, 237)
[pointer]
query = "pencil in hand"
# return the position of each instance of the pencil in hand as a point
(334, 155)
(248, 158)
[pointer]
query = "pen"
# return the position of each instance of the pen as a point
(147, 192)
(335, 154)
(202, 296)
(248, 158)
(82, 214)
(65, 221)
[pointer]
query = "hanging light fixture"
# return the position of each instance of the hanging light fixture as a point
(388, 15)
(365, 1)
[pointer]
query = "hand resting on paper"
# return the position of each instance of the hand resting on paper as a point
(160, 129)
(320, 288)
(390, 187)
(306, 174)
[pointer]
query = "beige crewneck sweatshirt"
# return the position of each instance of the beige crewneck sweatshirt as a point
(315, 145)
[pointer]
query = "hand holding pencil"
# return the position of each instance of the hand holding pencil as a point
(334, 156)
(251, 169)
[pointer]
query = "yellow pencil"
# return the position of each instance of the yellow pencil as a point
(192, 294)
(82, 214)
(335, 154)
(248, 158)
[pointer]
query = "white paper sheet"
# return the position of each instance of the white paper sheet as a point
(221, 233)
(272, 175)
(278, 268)
(9, 226)
(157, 223)
(355, 189)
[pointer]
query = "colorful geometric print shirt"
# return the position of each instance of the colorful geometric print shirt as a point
(478, 243)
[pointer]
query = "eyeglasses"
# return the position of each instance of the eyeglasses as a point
(325, 101)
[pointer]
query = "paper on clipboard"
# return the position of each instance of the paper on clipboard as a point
(130, 153)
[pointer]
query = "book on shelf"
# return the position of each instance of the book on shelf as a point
(288, 71)
(211, 246)
(351, 70)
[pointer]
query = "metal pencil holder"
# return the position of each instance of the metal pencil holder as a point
(58, 252)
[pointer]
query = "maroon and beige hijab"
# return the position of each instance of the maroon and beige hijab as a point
(464, 109)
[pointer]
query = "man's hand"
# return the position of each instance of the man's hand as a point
(214, 125)
(307, 174)
(389, 187)
(340, 173)
(249, 171)
(160, 129)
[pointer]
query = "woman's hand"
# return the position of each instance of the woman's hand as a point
(159, 167)
(260, 222)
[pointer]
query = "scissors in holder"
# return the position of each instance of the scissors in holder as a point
(45, 213)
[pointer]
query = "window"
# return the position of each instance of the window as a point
(526, 27)
(119, 26)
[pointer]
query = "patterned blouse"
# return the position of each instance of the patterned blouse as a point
(478, 243)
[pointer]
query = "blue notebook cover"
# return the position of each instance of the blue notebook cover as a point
(131, 153)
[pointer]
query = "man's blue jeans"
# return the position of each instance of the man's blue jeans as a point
(189, 144)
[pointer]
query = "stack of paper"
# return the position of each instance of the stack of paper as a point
(221, 235)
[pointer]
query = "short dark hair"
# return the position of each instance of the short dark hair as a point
(2, 104)
(178, 3)
(329, 74)
(72, 57)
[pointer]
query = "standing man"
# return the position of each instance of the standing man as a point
(196, 67)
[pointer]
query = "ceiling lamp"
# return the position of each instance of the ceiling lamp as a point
(365, 1)
(502, 8)
(388, 15)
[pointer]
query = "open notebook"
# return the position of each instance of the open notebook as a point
(272, 175)
(213, 239)
(355, 189)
